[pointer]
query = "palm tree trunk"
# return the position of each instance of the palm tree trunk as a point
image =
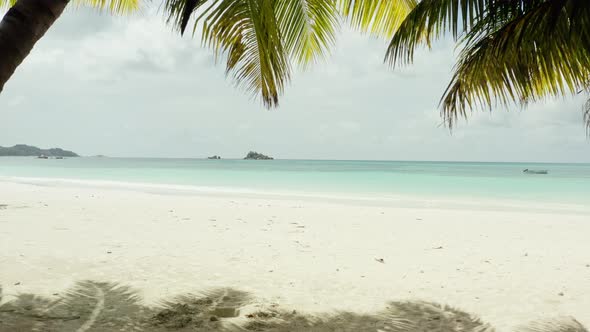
(22, 26)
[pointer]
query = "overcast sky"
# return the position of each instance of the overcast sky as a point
(132, 87)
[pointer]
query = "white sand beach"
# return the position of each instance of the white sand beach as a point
(508, 267)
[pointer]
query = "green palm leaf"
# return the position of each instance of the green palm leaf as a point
(428, 21)
(513, 51)
(114, 6)
(247, 32)
(378, 17)
(537, 53)
(307, 27)
(7, 3)
(260, 39)
(180, 11)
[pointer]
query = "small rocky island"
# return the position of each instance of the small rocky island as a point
(257, 156)
(22, 150)
(214, 157)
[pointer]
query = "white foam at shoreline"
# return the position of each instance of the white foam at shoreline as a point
(409, 201)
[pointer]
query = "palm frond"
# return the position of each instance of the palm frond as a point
(7, 3)
(378, 17)
(307, 27)
(536, 53)
(180, 11)
(259, 37)
(513, 51)
(428, 21)
(248, 34)
(113, 6)
(432, 19)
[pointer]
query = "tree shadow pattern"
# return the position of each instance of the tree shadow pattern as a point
(98, 306)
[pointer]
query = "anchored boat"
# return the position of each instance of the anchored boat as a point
(532, 171)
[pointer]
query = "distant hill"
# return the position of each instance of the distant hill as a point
(27, 150)
(257, 156)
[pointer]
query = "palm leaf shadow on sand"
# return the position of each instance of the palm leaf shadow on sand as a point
(22, 312)
(202, 312)
(88, 305)
(97, 306)
(398, 316)
(561, 324)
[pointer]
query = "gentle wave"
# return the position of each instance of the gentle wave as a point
(405, 201)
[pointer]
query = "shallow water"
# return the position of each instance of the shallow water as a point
(565, 183)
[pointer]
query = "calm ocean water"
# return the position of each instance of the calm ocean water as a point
(565, 183)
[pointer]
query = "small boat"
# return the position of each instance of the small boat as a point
(42, 156)
(532, 171)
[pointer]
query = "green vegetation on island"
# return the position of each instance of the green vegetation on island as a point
(22, 150)
(257, 156)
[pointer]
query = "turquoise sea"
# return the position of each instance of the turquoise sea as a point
(565, 183)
